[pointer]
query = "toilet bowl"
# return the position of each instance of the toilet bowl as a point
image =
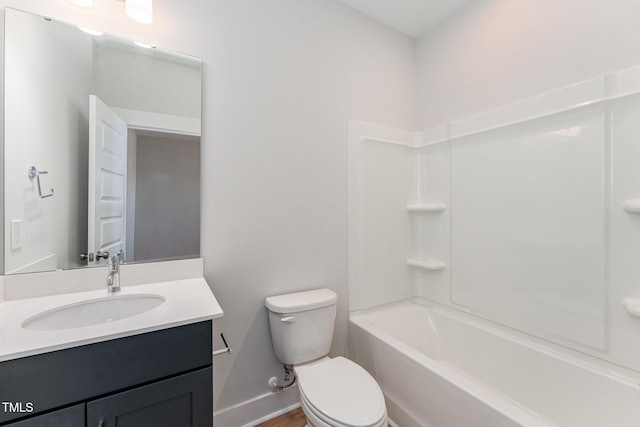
(333, 392)
(339, 393)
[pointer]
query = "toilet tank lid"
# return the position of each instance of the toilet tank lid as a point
(301, 301)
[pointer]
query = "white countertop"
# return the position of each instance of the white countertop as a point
(186, 301)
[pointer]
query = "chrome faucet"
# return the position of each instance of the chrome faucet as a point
(113, 279)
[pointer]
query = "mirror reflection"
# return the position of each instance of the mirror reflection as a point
(102, 148)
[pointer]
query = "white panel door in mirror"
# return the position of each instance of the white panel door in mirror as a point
(107, 179)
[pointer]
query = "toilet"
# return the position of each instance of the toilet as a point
(334, 392)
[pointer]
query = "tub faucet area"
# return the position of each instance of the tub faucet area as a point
(113, 279)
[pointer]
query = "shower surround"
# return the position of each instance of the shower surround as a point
(526, 218)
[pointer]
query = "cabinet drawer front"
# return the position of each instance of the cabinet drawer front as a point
(182, 401)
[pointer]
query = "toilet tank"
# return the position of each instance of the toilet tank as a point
(302, 324)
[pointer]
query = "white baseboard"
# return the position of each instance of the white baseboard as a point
(401, 417)
(258, 410)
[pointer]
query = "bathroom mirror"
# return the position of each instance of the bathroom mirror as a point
(101, 148)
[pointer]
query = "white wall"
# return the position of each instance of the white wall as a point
(287, 77)
(281, 79)
(146, 79)
(45, 124)
(495, 52)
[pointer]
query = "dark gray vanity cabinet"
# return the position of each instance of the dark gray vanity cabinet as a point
(67, 417)
(161, 378)
(182, 401)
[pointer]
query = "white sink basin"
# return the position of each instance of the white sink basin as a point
(93, 312)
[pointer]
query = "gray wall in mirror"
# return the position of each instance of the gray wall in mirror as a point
(51, 68)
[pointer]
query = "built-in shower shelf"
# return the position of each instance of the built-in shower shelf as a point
(425, 208)
(427, 264)
(632, 206)
(632, 305)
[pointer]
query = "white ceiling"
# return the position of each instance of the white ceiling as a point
(412, 17)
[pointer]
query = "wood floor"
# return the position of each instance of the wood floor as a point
(294, 418)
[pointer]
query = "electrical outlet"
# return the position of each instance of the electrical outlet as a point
(17, 234)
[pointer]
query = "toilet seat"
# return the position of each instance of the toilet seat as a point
(341, 393)
(319, 420)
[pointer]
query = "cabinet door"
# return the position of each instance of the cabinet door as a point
(182, 401)
(68, 417)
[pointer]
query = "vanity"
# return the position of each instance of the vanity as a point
(152, 367)
(143, 380)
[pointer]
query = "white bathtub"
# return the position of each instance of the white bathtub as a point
(441, 368)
